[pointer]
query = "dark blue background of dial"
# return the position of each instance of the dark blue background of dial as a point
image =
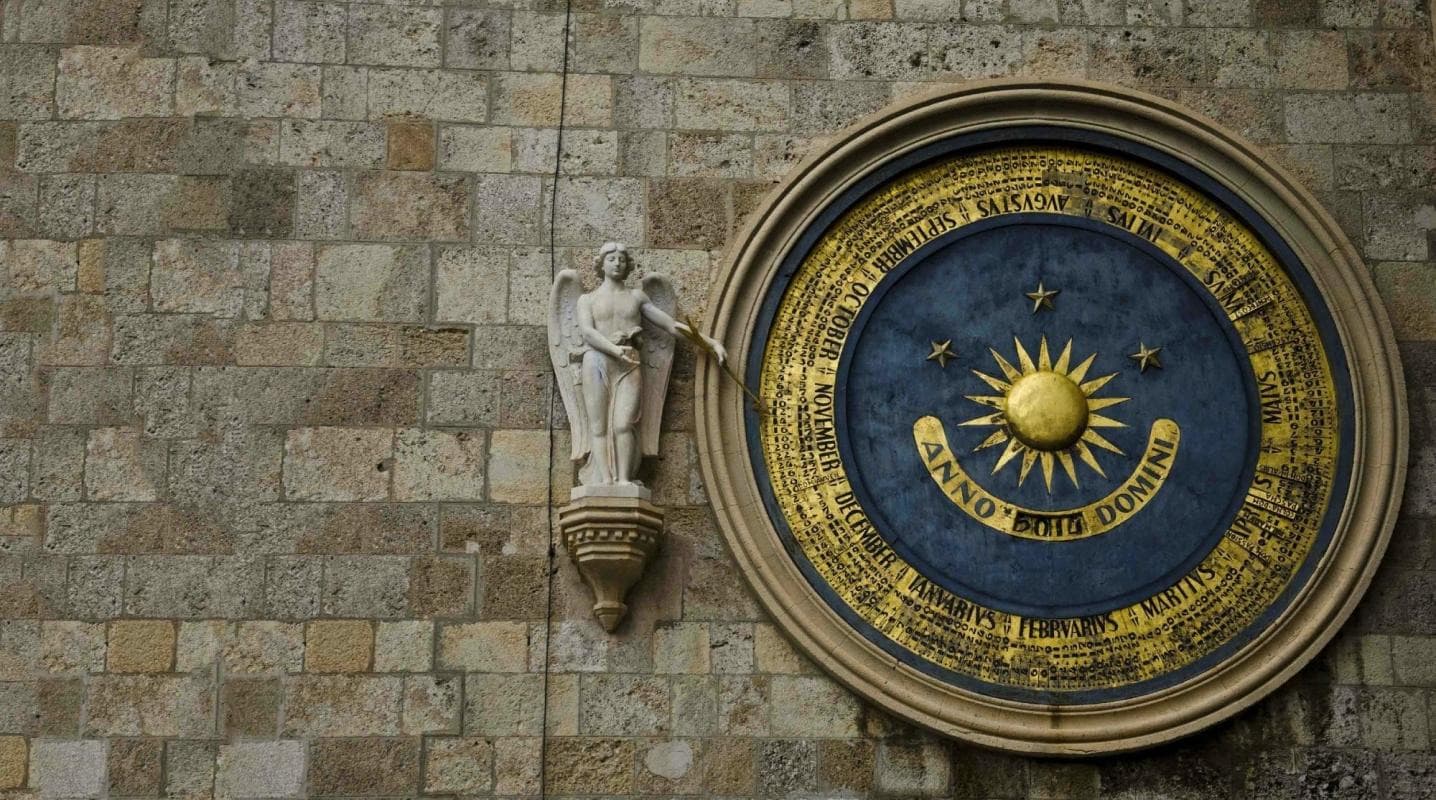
(1116, 290)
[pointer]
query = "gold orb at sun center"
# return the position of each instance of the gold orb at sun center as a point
(1046, 411)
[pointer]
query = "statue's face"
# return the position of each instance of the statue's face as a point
(615, 264)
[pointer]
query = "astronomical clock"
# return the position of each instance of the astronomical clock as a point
(1060, 419)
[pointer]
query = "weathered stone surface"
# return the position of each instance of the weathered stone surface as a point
(338, 464)
(150, 705)
(375, 283)
(411, 205)
(459, 765)
(575, 765)
(65, 769)
(394, 35)
(364, 766)
(411, 145)
(334, 705)
(112, 83)
(260, 769)
(338, 646)
(140, 646)
(484, 647)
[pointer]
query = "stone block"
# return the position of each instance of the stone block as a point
(197, 276)
(309, 32)
(688, 212)
(622, 218)
(364, 767)
(279, 344)
(582, 765)
(150, 705)
(264, 647)
(459, 765)
(441, 586)
(508, 209)
(477, 38)
(82, 333)
(438, 465)
(1398, 225)
(193, 586)
(69, 646)
(260, 770)
(912, 769)
(431, 704)
(395, 346)
(119, 465)
(697, 46)
(14, 754)
(205, 87)
(330, 143)
(624, 705)
(814, 706)
(338, 464)
(68, 769)
(675, 766)
(135, 766)
(338, 646)
(411, 205)
(342, 705)
(404, 646)
(346, 91)
(190, 768)
(113, 83)
(467, 398)
(787, 767)
(536, 40)
(439, 95)
(411, 145)
(141, 646)
(27, 82)
(473, 148)
(250, 707)
(733, 105)
(371, 282)
(518, 462)
(40, 266)
(366, 586)
(394, 35)
(471, 285)
(1414, 659)
(504, 705)
(1347, 118)
(484, 647)
(279, 90)
(681, 648)
(67, 206)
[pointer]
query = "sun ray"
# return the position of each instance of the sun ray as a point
(1047, 462)
(1092, 437)
(1013, 448)
(999, 385)
(1080, 371)
(1085, 453)
(1099, 403)
(986, 419)
(1099, 421)
(1044, 358)
(988, 400)
(1028, 459)
(1061, 366)
(998, 437)
(1096, 383)
(1008, 371)
(1023, 360)
(1067, 466)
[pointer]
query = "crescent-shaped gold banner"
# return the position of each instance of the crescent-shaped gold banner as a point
(1130, 497)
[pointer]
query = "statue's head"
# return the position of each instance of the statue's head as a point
(613, 259)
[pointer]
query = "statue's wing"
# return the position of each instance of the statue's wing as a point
(657, 361)
(565, 348)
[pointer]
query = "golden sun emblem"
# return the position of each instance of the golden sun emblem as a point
(1046, 413)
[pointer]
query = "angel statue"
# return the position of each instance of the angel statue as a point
(612, 349)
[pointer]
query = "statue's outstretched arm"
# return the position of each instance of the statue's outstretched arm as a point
(661, 318)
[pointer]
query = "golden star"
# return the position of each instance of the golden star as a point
(1146, 357)
(1042, 298)
(941, 352)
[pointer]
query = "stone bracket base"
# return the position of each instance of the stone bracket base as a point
(610, 540)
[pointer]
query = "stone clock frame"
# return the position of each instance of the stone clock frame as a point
(1369, 502)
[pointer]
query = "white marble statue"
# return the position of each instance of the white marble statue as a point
(612, 349)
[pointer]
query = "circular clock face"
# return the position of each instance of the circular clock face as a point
(1056, 438)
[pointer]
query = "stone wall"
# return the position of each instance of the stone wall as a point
(273, 376)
